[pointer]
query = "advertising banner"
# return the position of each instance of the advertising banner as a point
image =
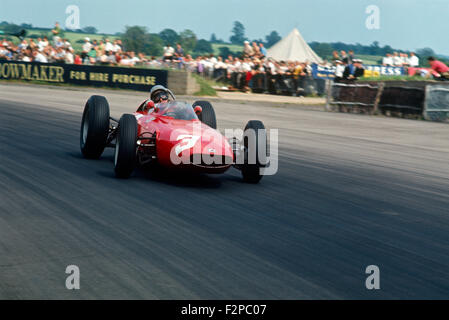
(115, 77)
(378, 70)
(321, 72)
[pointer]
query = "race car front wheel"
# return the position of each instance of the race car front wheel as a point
(255, 145)
(126, 146)
(94, 127)
(207, 116)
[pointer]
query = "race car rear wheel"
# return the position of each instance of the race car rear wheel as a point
(94, 127)
(207, 116)
(255, 142)
(126, 146)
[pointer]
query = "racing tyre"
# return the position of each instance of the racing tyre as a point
(255, 141)
(94, 127)
(207, 116)
(125, 147)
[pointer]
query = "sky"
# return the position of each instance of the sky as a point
(403, 24)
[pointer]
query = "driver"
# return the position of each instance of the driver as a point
(158, 94)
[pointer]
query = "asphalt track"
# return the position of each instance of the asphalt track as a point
(351, 191)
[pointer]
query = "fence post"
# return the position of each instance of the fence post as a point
(378, 96)
(328, 94)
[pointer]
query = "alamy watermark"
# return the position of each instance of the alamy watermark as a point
(72, 282)
(372, 22)
(206, 147)
(73, 19)
(372, 282)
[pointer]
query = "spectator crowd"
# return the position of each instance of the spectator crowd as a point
(253, 70)
(241, 73)
(401, 60)
(60, 50)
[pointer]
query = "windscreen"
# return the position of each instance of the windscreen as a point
(177, 110)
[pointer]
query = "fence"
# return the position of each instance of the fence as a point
(436, 104)
(353, 97)
(426, 99)
(278, 84)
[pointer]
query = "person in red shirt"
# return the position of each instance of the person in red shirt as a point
(78, 60)
(439, 70)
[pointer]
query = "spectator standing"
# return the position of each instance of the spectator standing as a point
(112, 59)
(179, 52)
(32, 44)
(103, 58)
(397, 60)
(78, 60)
(23, 45)
(43, 43)
(108, 46)
(69, 59)
(351, 56)
(58, 42)
(212, 59)
(256, 50)
(56, 30)
(132, 57)
(344, 57)
(404, 58)
(26, 57)
(126, 61)
(39, 57)
(5, 53)
(92, 55)
(67, 44)
(101, 46)
(340, 68)
(86, 48)
(299, 75)
(413, 60)
(169, 51)
(116, 46)
(247, 50)
(59, 55)
(388, 60)
(335, 57)
(263, 51)
(220, 69)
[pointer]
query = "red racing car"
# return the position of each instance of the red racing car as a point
(173, 134)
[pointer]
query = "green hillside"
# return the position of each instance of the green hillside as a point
(233, 47)
(369, 59)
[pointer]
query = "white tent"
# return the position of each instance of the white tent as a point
(293, 48)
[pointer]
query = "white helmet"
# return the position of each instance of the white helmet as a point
(158, 93)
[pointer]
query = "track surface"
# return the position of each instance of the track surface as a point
(351, 191)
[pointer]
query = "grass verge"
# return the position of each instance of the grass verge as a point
(205, 86)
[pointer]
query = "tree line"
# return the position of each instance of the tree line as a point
(139, 39)
(325, 50)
